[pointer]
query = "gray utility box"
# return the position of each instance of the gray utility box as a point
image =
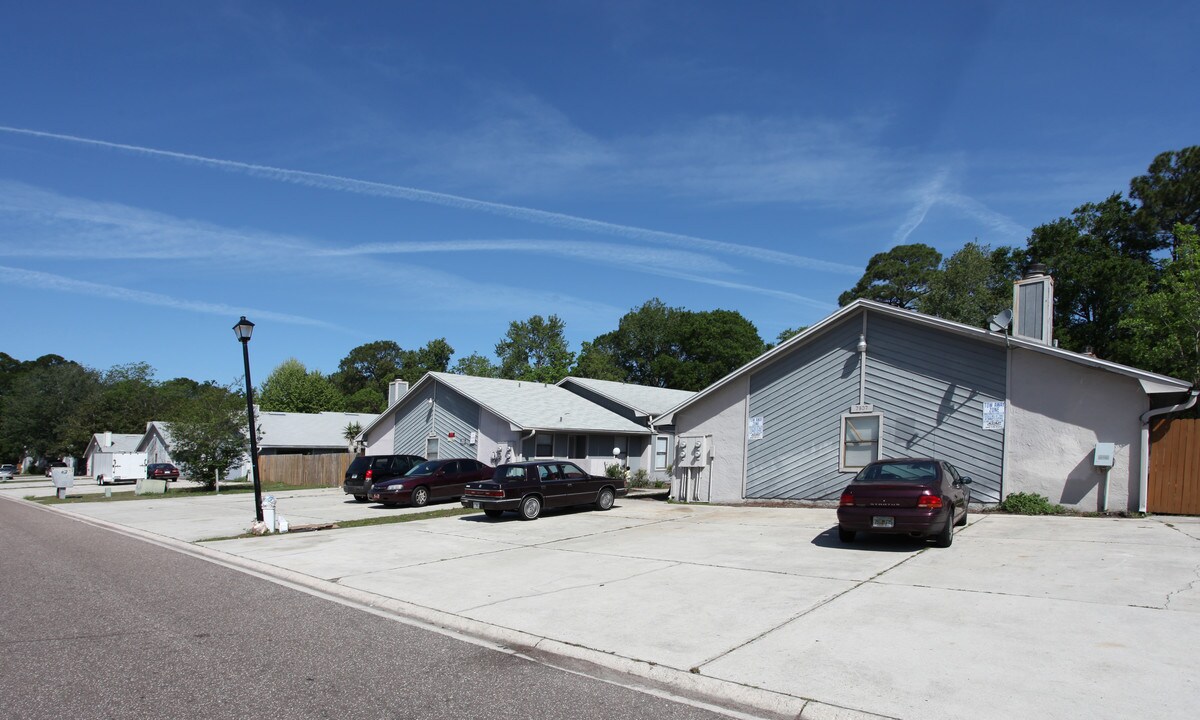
(62, 478)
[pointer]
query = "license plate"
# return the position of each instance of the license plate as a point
(476, 505)
(881, 521)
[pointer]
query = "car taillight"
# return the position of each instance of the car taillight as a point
(847, 500)
(930, 502)
(487, 493)
(369, 474)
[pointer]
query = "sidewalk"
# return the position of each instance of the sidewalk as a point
(762, 610)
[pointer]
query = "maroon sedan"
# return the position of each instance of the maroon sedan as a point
(162, 471)
(920, 497)
(430, 480)
(529, 486)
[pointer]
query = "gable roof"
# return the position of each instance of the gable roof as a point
(121, 442)
(155, 427)
(524, 405)
(1152, 383)
(537, 406)
(306, 430)
(642, 399)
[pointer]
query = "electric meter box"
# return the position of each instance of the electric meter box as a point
(1103, 457)
(693, 451)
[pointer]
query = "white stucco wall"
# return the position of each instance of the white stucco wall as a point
(494, 432)
(380, 440)
(723, 416)
(1057, 412)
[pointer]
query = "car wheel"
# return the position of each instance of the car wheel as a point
(420, 497)
(605, 500)
(531, 507)
(360, 498)
(946, 536)
(493, 513)
(100, 480)
(963, 521)
(846, 536)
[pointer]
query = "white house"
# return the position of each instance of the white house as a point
(110, 443)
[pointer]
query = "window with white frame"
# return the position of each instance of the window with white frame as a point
(431, 448)
(543, 445)
(860, 441)
(662, 445)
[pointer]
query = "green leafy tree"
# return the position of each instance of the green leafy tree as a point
(37, 413)
(291, 387)
(646, 343)
(433, 357)
(535, 350)
(369, 367)
(1100, 260)
(476, 365)
(1169, 194)
(898, 277)
(597, 362)
(789, 333)
(1164, 325)
(208, 434)
(713, 344)
(973, 284)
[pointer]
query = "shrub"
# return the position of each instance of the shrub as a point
(615, 471)
(1030, 504)
(640, 479)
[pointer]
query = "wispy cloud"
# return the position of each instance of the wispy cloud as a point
(633, 258)
(935, 193)
(544, 217)
(58, 283)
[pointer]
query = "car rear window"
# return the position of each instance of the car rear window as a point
(515, 472)
(358, 464)
(914, 472)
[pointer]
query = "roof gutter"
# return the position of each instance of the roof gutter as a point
(1144, 469)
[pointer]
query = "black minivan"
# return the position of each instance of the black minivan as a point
(366, 470)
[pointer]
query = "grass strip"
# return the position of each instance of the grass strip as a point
(364, 522)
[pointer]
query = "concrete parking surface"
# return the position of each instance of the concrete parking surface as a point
(763, 608)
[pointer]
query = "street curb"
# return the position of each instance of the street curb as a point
(673, 683)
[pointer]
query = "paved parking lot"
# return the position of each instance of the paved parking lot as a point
(1048, 617)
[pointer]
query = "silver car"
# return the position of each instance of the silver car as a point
(7, 472)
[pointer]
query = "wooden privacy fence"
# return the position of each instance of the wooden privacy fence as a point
(325, 470)
(1174, 467)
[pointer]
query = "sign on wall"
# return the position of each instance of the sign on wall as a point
(756, 428)
(993, 416)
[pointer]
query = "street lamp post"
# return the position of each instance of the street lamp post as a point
(243, 330)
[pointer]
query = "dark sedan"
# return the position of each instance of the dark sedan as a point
(431, 480)
(529, 487)
(920, 497)
(162, 471)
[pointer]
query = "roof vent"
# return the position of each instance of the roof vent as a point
(1035, 270)
(1033, 306)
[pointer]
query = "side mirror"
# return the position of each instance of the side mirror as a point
(965, 480)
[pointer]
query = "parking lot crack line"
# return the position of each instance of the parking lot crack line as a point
(805, 612)
(1187, 588)
(547, 593)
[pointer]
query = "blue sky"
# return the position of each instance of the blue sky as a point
(343, 173)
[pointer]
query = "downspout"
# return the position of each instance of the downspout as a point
(1144, 470)
(521, 446)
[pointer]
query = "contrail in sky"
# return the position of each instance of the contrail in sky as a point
(48, 281)
(365, 187)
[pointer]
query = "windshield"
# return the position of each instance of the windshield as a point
(920, 472)
(425, 468)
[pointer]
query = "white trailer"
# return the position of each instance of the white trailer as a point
(119, 466)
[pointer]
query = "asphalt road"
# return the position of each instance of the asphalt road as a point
(95, 624)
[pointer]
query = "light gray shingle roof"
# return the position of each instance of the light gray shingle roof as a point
(536, 406)
(643, 399)
(307, 430)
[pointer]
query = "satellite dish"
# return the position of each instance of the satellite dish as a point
(1000, 322)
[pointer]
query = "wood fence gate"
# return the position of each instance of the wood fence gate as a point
(327, 470)
(1174, 467)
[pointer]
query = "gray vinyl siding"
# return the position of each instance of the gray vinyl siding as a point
(413, 423)
(801, 398)
(930, 386)
(454, 414)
